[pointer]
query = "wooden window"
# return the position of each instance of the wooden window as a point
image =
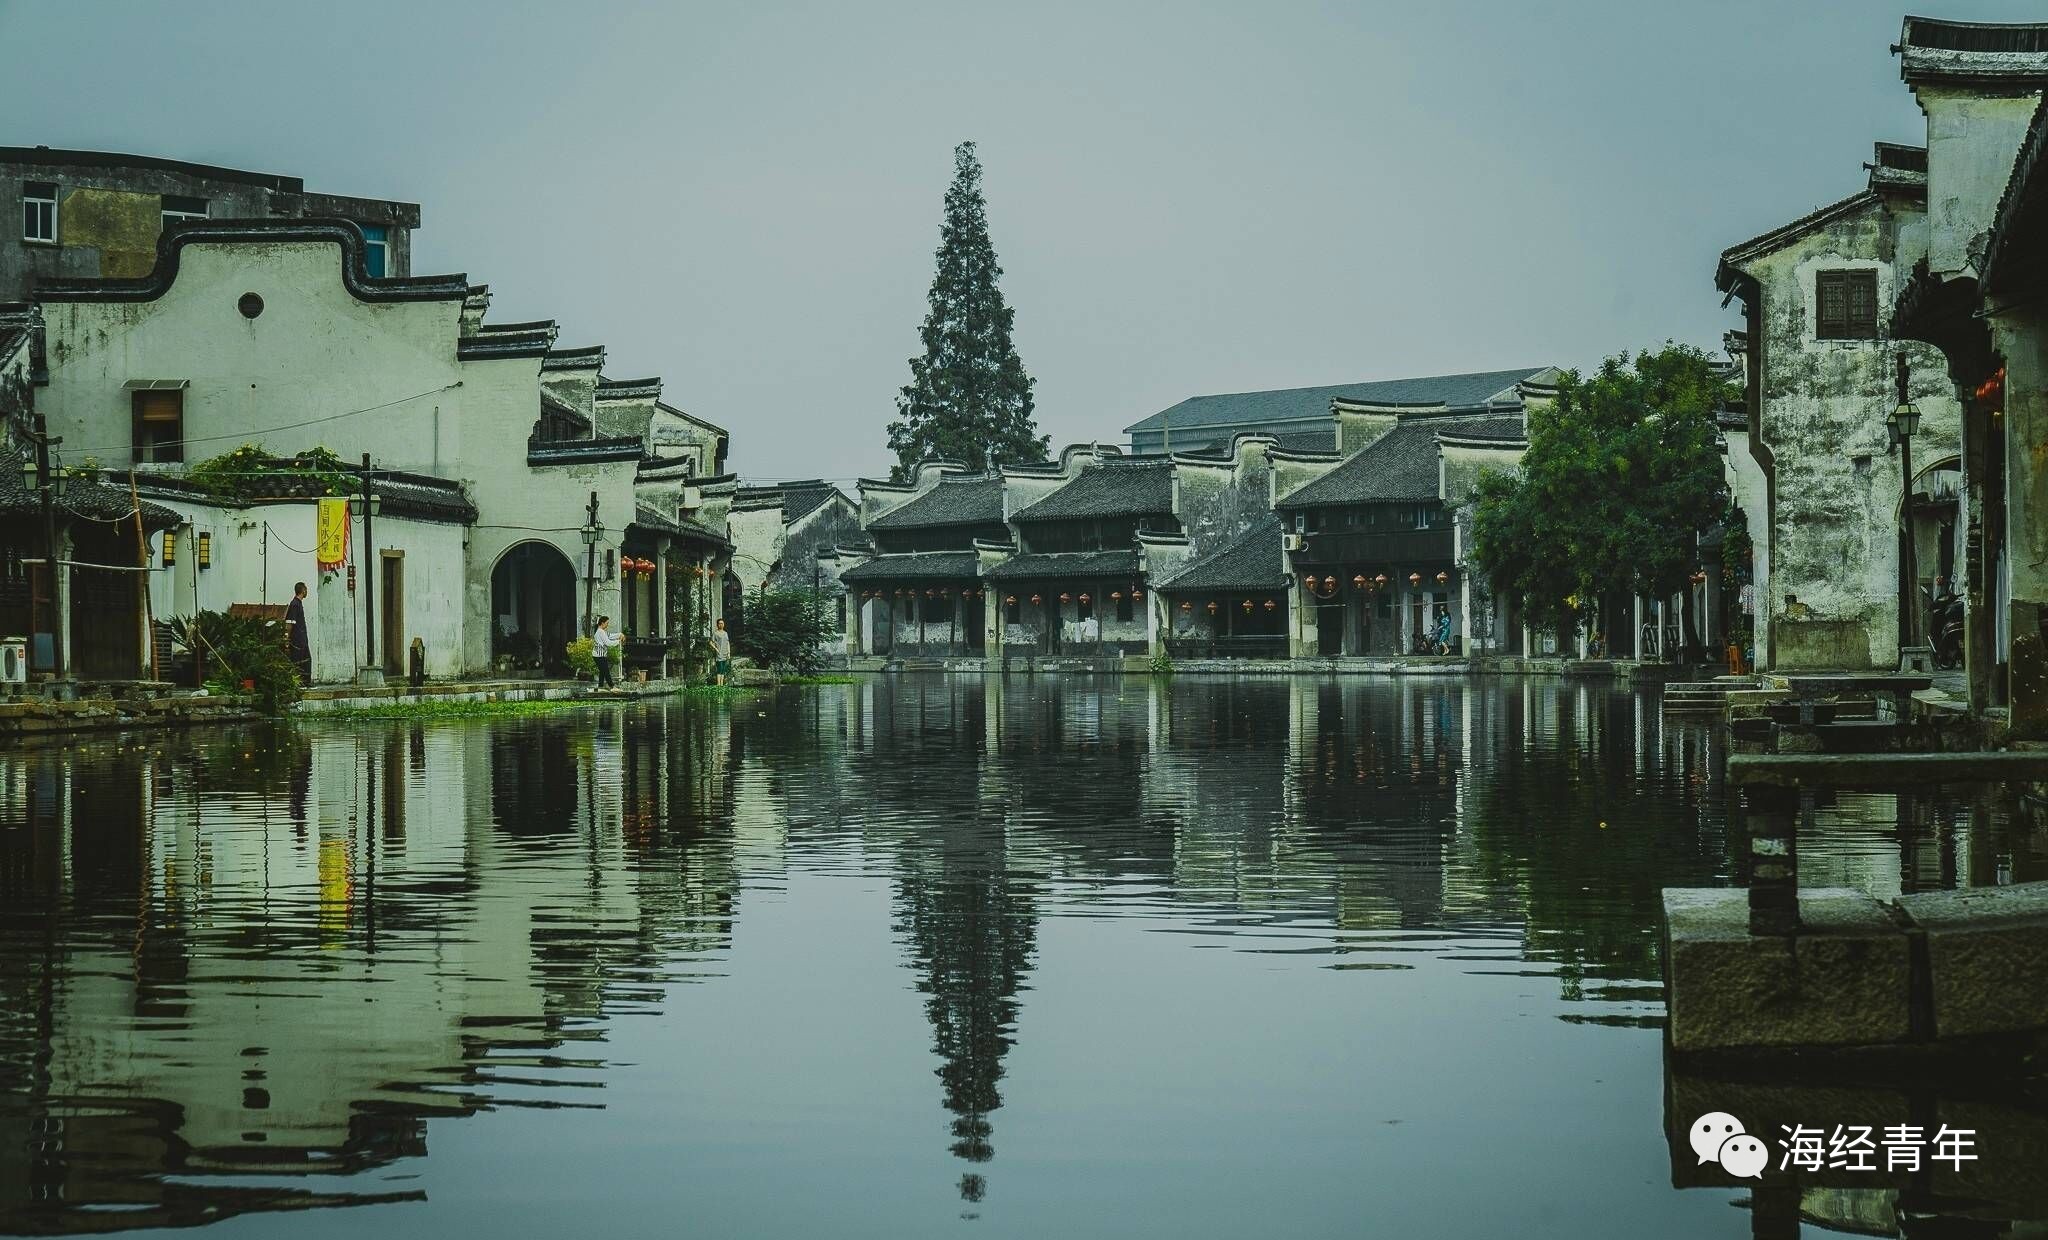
(376, 249)
(39, 212)
(159, 424)
(1845, 305)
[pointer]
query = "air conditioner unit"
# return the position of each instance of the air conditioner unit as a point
(14, 661)
(1293, 542)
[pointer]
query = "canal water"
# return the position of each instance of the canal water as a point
(918, 956)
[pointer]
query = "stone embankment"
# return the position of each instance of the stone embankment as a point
(24, 719)
(1934, 966)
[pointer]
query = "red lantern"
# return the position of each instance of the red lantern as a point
(1270, 604)
(1191, 607)
(1415, 579)
(1036, 600)
(1136, 593)
(1085, 599)
(1066, 598)
(899, 593)
(1009, 598)
(1212, 609)
(1358, 582)
(1329, 583)
(1443, 578)
(1380, 581)
(1247, 604)
(1116, 596)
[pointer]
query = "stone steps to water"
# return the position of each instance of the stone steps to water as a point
(1703, 696)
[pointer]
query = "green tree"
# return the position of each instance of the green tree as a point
(781, 629)
(1621, 473)
(968, 398)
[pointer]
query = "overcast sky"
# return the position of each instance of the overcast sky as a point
(744, 198)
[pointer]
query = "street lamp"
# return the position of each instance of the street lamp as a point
(1902, 425)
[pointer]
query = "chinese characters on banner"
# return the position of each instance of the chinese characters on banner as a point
(331, 533)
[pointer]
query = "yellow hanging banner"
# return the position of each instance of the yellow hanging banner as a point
(331, 533)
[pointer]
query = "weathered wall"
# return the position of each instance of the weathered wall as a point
(319, 368)
(1833, 546)
(1217, 502)
(109, 217)
(260, 551)
(798, 566)
(758, 536)
(1971, 141)
(1750, 489)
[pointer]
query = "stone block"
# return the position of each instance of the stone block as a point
(1767, 1107)
(1987, 957)
(1843, 980)
(2010, 1170)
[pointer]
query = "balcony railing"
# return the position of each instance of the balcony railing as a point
(1378, 547)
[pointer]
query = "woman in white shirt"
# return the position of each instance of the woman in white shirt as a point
(602, 642)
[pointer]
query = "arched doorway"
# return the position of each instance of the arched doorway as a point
(1929, 543)
(533, 609)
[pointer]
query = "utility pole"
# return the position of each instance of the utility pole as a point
(370, 566)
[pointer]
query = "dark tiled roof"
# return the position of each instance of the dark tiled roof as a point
(1399, 465)
(1045, 565)
(1111, 489)
(954, 501)
(915, 566)
(1931, 49)
(584, 451)
(800, 501)
(659, 522)
(1784, 234)
(417, 495)
(1251, 561)
(93, 501)
(1251, 410)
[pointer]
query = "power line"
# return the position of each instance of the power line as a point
(288, 426)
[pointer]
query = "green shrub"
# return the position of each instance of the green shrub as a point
(781, 630)
(1161, 664)
(239, 654)
(581, 660)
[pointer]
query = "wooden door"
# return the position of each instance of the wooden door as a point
(391, 611)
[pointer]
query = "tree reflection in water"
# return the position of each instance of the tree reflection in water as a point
(231, 961)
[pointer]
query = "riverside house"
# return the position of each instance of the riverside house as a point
(529, 492)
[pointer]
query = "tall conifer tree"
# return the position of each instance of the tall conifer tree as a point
(968, 398)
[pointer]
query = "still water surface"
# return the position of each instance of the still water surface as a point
(918, 956)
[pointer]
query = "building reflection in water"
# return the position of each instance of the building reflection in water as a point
(186, 978)
(255, 957)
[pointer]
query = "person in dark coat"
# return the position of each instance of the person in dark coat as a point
(301, 647)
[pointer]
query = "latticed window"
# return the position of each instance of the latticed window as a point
(1846, 304)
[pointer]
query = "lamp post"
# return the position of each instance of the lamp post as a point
(1903, 423)
(593, 533)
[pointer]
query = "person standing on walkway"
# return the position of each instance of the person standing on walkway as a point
(296, 639)
(721, 653)
(602, 642)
